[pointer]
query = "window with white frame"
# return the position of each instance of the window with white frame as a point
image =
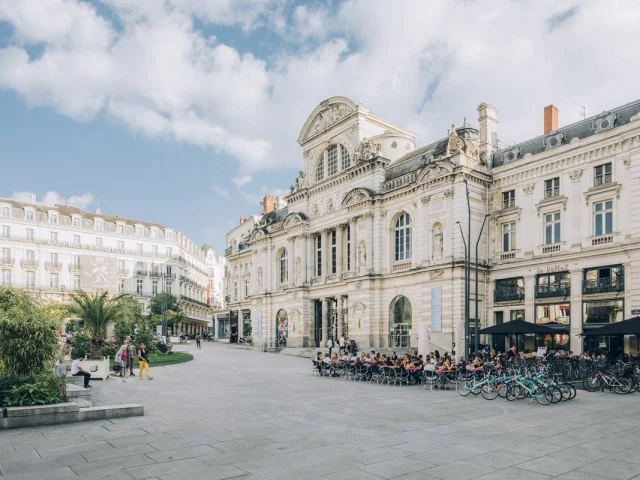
(552, 187)
(602, 174)
(603, 218)
(6, 212)
(139, 287)
(53, 258)
(334, 252)
(121, 265)
(75, 261)
(6, 277)
(318, 255)
(53, 218)
(76, 282)
(284, 266)
(246, 288)
(75, 221)
(154, 250)
(6, 231)
(332, 160)
(6, 255)
(77, 240)
(345, 158)
(53, 236)
(169, 235)
(508, 236)
(54, 281)
(169, 287)
(99, 242)
(29, 216)
(169, 252)
(121, 285)
(139, 248)
(320, 170)
(120, 228)
(403, 238)
(154, 233)
(349, 248)
(30, 279)
(552, 228)
(31, 257)
(120, 244)
(31, 234)
(140, 267)
(509, 199)
(154, 287)
(139, 231)
(235, 291)
(99, 225)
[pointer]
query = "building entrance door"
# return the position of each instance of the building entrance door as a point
(401, 335)
(317, 326)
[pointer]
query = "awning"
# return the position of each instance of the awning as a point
(626, 327)
(517, 327)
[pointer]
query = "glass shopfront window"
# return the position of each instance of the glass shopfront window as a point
(246, 324)
(602, 312)
(556, 313)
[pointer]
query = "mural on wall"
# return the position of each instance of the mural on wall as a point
(282, 328)
(100, 271)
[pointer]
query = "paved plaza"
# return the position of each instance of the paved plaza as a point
(237, 413)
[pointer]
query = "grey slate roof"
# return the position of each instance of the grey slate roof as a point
(562, 136)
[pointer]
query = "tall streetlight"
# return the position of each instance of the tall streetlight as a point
(477, 335)
(466, 297)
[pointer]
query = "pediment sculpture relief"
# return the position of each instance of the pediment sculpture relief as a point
(329, 117)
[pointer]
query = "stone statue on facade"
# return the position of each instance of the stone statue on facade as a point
(437, 241)
(362, 255)
(367, 150)
(259, 279)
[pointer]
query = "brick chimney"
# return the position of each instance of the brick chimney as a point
(550, 118)
(268, 204)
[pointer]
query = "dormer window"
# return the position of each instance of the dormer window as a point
(6, 212)
(120, 228)
(169, 235)
(154, 233)
(139, 231)
(75, 222)
(333, 159)
(99, 225)
(29, 216)
(53, 218)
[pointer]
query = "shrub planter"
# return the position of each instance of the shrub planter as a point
(98, 368)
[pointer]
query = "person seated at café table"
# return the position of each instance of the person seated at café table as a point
(394, 357)
(345, 356)
(406, 360)
(335, 358)
(363, 357)
(326, 359)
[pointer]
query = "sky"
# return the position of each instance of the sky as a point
(187, 112)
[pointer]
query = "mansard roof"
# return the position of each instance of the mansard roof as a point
(562, 136)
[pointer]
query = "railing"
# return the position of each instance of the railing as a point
(7, 261)
(399, 266)
(228, 250)
(556, 247)
(603, 285)
(508, 203)
(553, 290)
(141, 273)
(332, 277)
(52, 265)
(508, 294)
(602, 179)
(349, 274)
(156, 274)
(601, 240)
(123, 271)
(227, 298)
(193, 300)
(552, 192)
(507, 256)
(75, 267)
(29, 263)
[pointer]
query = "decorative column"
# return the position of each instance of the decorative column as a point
(309, 259)
(577, 345)
(291, 261)
(339, 313)
(339, 251)
(325, 322)
(326, 252)
(354, 245)
(370, 235)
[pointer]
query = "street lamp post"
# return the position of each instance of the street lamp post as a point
(466, 297)
(477, 335)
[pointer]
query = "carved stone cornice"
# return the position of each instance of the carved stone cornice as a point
(528, 188)
(576, 175)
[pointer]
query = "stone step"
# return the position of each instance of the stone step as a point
(74, 391)
(71, 380)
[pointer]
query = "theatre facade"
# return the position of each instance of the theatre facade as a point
(370, 242)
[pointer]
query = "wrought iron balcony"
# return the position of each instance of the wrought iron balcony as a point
(7, 261)
(553, 290)
(141, 273)
(53, 265)
(156, 273)
(602, 179)
(508, 294)
(75, 267)
(227, 298)
(510, 203)
(228, 250)
(25, 263)
(123, 271)
(603, 285)
(552, 192)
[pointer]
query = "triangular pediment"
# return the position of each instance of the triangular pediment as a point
(330, 112)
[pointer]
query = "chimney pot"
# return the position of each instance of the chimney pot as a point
(241, 220)
(268, 204)
(550, 118)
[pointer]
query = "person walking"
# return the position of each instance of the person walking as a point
(77, 370)
(121, 361)
(131, 354)
(330, 345)
(143, 361)
(198, 338)
(341, 344)
(353, 349)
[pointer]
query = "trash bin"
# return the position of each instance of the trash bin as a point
(264, 346)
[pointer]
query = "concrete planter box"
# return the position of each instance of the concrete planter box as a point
(97, 368)
(17, 417)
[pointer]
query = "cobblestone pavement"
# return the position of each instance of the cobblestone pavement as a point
(236, 413)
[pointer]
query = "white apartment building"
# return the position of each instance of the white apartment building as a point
(371, 242)
(56, 250)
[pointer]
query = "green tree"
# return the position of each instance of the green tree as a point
(28, 334)
(172, 304)
(101, 310)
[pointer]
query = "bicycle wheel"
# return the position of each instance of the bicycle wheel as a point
(543, 395)
(622, 386)
(465, 388)
(556, 392)
(512, 393)
(572, 389)
(592, 383)
(489, 392)
(502, 389)
(565, 390)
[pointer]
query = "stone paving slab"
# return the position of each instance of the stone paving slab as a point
(242, 414)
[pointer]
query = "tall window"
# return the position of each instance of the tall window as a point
(76, 222)
(552, 228)
(284, 266)
(53, 258)
(77, 240)
(76, 282)
(53, 236)
(30, 234)
(509, 199)
(403, 237)
(318, 255)
(345, 158)
(235, 291)
(169, 235)
(6, 211)
(121, 265)
(54, 281)
(75, 261)
(246, 288)
(334, 253)
(6, 277)
(138, 231)
(53, 218)
(332, 160)
(169, 252)
(31, 279)
(6, 255)
(349, 248)
(552, 187)
(602, 174)
(320, 170)
(120, 228)
(99, 242)
(603, 218)
(139, 287)
(139, 248)
(99, 225)
(30, 216)
(154, 250)
(154, 287)
(31, 257)
(121, 285)
(6, 231)
(508, 237)
(169, 287)
(120, 244)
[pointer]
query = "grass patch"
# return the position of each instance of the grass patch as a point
(162, 358)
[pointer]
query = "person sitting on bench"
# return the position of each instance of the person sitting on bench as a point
(77, 370)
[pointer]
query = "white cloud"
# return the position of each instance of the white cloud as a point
(423, 65)
(220, 191)
(54, 198)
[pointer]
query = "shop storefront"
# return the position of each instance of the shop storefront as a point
(246, 324)
(221, 326)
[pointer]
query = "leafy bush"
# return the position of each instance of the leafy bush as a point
(145, 335)
(121, 332)
(110, 350)
(80, 345)
(28, 337)
(43, 391)
(10, 380)
(163, 347)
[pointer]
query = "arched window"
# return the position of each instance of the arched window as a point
(284, 266)
(332, 160)
(320, 170)
(345, 158)
(403, 238)
(400, 322)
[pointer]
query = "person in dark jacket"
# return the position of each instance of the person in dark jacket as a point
(143, 359)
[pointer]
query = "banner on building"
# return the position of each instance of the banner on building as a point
(436, 309)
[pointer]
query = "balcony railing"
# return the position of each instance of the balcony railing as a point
(227, 298)
(123, 271)
(602, 240)
(156, 274)
(24, 263)
(228, 250)
(141, 273)
(52, 265)
(552, 192)
(7, 261)
(510, 203)
(193, 300)
(556, 247)
(75, 267)
(403, 265)
(602, 179)
(603, 285)
(508, 294)
(553, 290)
(508, 255)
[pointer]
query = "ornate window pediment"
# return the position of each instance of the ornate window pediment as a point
(553, 140)
(257, 234)
(293, 219)
(436, 170)
(604, 121)
(357, 195)
(326, 115)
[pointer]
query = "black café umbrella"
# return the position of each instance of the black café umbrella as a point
(516, 327)
(626, 327)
